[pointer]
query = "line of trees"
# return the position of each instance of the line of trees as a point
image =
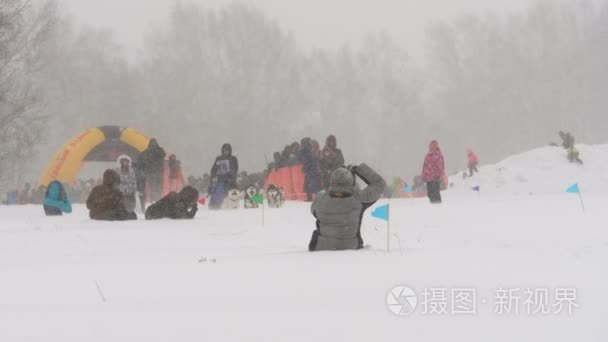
(24, 31)
(500, 84)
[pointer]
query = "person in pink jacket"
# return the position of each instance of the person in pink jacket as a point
(433, 171)
(472, 162)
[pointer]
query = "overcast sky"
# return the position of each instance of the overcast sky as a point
(315, 23)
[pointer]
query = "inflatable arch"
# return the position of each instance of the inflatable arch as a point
(101, 144)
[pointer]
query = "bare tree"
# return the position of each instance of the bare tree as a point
(507, 84)
(23, 29)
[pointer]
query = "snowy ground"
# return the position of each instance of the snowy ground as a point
(223, 276)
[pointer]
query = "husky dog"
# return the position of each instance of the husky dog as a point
(276, 198)
(251, 191)
(232, 200)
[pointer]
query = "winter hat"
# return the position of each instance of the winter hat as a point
(123, 156)
(111, 178)
(434, 145)
(331, 141)
(342, 181)
(228, 148)
(306, 144)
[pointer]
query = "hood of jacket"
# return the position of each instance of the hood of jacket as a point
(124, 156)
(111, 178)
(331, 142)
(342, 181)
(153, 143)
(226, 147)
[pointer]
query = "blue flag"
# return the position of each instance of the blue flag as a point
(476, 188)
(407, 189)
(381, 212)
(573, 189)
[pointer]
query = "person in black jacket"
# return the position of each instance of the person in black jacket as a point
(151, 164)
(226, 168)
(331, 158)
(312, 172)
(182, 205)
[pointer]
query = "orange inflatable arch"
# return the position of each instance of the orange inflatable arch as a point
(101, 144)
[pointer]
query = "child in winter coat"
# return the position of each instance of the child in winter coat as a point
(56, 200)
(472, 162)
(432, 172)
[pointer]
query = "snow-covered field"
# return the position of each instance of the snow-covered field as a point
(225, 277)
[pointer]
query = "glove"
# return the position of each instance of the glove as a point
(193, 211)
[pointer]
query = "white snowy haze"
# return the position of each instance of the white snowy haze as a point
(385, 77)
(316, 23)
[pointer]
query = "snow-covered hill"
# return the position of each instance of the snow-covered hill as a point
(541, 171)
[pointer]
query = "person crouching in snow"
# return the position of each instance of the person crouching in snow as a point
(472, 162)
(56, 200)
(106, 202)
(182, 205)
(339, 210)
(128, 182)
(432, 172)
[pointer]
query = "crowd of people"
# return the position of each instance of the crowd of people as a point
(338, 210)
(116, 197)
(317, 164)
(35, 195)
(147, 174)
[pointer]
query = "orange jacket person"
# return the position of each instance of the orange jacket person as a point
(472, 162)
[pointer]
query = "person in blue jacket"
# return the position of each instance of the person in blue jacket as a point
(56, 200)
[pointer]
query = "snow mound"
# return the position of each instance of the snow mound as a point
(540, 171)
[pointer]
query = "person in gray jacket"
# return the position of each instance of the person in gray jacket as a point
(339, 210)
